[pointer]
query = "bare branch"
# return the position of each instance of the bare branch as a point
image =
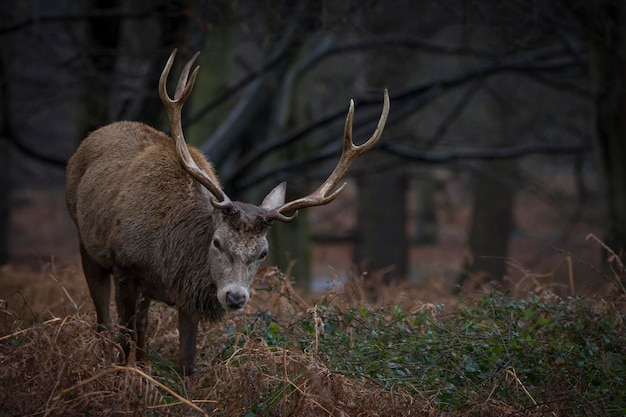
(549, 60)
(422, 156)
(455, 112)
(439, 157)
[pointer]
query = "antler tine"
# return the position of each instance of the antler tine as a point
(174, 109)
(183, 88)
(349, 154)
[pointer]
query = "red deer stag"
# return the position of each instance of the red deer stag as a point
(150, 211)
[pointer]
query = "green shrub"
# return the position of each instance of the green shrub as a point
(566, 356)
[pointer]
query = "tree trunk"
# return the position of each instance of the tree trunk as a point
(608, 68)
(381, 246)
(425, 227)
(381, 236)
(291, 243)
(102, 35)
(136, 69)
(492, 218)
(5, 162)
(216, 61)
(291, 249)
(491, 222)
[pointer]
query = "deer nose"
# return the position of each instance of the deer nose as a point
(235, 301)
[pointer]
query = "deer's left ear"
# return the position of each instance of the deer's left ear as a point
(276, 197)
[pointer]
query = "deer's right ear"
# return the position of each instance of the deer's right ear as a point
(276, 197)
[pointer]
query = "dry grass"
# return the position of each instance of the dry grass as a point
(62, 367)
(59, 369)
(31, 294)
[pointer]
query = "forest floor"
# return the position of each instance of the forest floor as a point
(279, 357)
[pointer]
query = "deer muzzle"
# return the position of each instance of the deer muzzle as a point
(233, 297)
(235, 301)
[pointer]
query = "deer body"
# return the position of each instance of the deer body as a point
(144, 219)
(150, 212)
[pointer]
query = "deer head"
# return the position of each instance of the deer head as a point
(239, 241)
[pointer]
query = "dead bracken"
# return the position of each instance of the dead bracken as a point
(287, 356)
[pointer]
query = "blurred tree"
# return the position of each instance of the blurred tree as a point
(594, 33)
(101, 40)
(5, 161)
(289, 243)
(40, 65)
(425, 228)
(381, 245)
(492, 221)
(606, 22)
(284, 63)
(495, 182)
(217, 37)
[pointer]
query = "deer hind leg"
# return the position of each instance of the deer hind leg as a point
(99, 283)
(126, 298)
(141, 327)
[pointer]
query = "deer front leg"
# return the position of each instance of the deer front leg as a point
(187, 332)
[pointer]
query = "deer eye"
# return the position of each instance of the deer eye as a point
(263, 254)
(216, 243)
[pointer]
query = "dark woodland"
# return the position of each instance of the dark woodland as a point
(500, 113)
(473, 264)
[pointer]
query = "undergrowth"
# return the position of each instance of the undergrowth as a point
(492, 355)
(565, 356)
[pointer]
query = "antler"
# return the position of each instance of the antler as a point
(174, 108)
(349, 154)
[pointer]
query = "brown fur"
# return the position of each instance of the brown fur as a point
(142, 218)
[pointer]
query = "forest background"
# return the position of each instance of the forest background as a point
(504, 148)
(462, 271)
